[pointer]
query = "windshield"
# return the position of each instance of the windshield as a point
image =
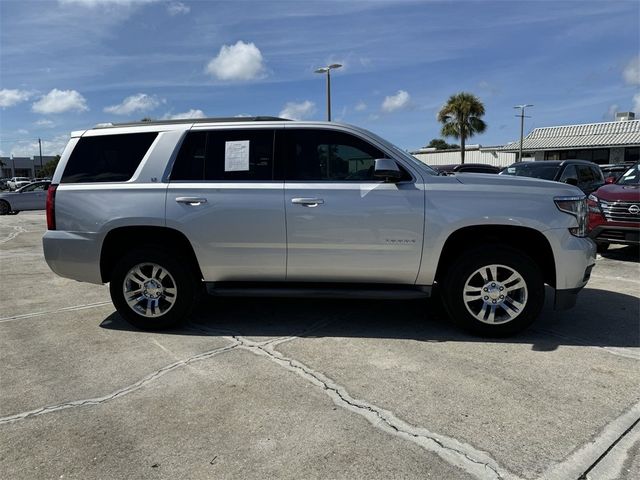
(631, 176)
(538, 170)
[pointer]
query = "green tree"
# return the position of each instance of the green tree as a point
(49, 167)
(461, 118)
(440, 144)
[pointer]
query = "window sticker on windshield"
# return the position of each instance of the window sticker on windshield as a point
(236, 156)
(511, 170)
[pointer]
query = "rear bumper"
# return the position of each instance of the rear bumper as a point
(73, 255)
(626, 235)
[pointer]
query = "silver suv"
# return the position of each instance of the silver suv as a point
(268, 207)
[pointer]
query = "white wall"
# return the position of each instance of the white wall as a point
(489, 157)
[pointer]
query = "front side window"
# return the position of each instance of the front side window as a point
(325, 155)
(107, 158)
(226, 155)
(569, 173)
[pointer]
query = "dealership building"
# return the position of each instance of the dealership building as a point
(23, 166)
(602, 143)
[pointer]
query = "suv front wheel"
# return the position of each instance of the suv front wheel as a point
(493, 290)
(152, 289)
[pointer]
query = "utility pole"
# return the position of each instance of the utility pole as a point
(522, 117)
(40, 146)
(327, 70)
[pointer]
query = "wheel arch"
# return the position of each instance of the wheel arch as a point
(120, 240)
(527, 240)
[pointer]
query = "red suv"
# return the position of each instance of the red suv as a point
(614, 211)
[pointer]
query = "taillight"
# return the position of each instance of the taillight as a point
(51, 207)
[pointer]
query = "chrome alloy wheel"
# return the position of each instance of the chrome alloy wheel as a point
(149, 290)
(495, 294)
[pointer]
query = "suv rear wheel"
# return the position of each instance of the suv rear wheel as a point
(493, 290)
(152, 289)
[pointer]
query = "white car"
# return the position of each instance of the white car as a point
(16, 182)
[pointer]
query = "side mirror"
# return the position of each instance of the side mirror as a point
(387, 169)
(610, 180)
(572, 181)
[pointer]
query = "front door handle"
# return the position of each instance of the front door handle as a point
(193, 201)
(307, 202)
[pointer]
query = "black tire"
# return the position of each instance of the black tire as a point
(509, 260)
(5, 208)
(602, 247)
(180, 274)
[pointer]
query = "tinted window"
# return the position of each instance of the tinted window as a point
(226, 155)
(35, 187)
(108, 158)
(586, 175)
(323, 155)
(189, 164)
(476, 170)
(533, 170)
(569, 172)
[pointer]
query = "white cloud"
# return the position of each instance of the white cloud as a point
(298, 111)
(242, 61)
(360, 106)
(45, 123)
(10, 97)
(59, 101)
(192, 113)
(631, 72)
(636, 103)
(178, 8)
(105, 3)
(140, 102)
(396, 102)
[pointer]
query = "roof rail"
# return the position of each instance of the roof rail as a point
(195, 120)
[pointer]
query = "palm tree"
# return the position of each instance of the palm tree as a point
(460, 118)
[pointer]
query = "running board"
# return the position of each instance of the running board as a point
(346, 291)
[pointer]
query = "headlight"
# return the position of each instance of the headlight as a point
(593, 204)
(576, 206)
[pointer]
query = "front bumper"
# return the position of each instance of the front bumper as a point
(614, 233)
(574, 258)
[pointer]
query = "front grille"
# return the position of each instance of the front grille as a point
(619, 211)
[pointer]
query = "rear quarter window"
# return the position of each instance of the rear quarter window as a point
(108, 158)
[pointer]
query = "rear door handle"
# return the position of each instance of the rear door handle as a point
(193, 201)
(307, 202)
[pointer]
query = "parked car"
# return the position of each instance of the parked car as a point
(587, 176)
(614, 171)
(614, 211)
(16, 182)
(465, 168)
(30, 197)
(270, 207)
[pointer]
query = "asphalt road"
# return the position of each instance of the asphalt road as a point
(255, 388)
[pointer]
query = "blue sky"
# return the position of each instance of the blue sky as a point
(70, 64)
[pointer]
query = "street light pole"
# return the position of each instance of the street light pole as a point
(522, 117)
(327, 70)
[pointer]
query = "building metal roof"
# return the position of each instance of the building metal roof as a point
(604, 134)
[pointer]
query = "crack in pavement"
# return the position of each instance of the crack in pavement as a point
(122, 391)
(154, 375)
(49, 312)
(454, 452)
(17, 230)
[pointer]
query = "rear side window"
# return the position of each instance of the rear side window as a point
(108, 158)
(226, 155)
